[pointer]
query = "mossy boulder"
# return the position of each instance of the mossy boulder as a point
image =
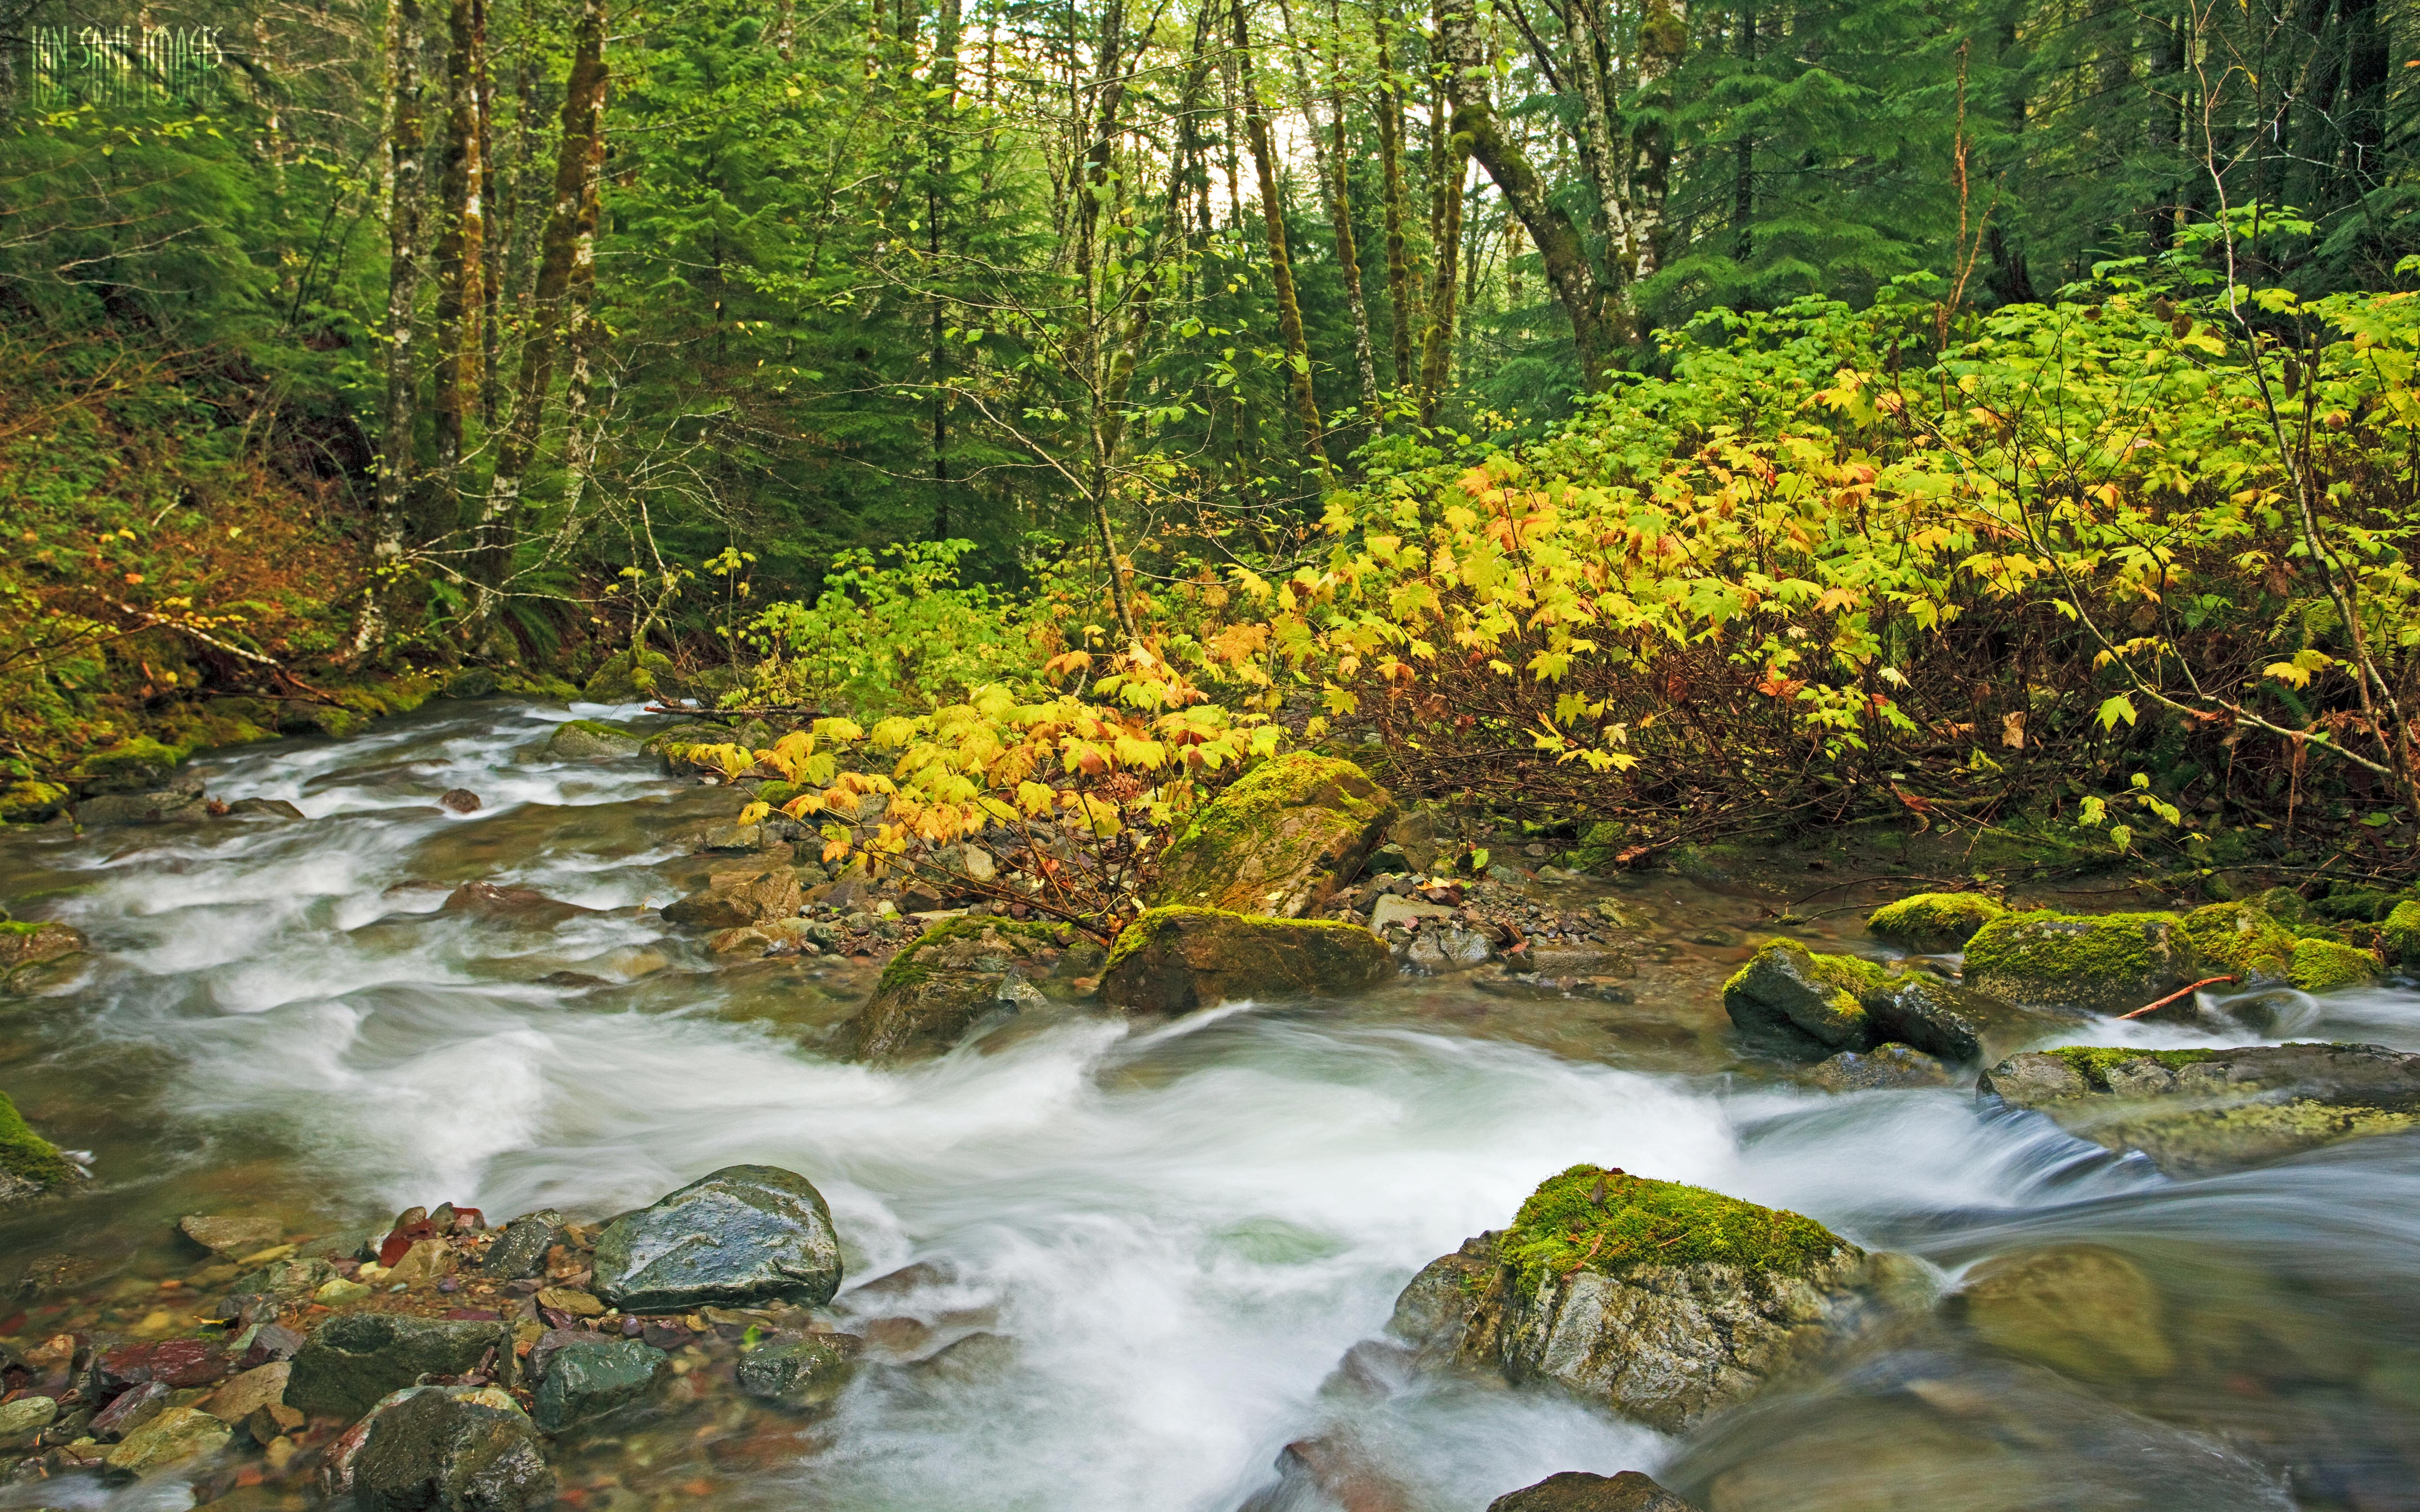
(134, 766)
(30, 802)
(1177, 960)
(1932, 921)
(1279, 841)
(2199, 1112)
(2085, 1311)
(2241, 941)
(1661, 1301)
(2094, 963)
(588, 740)
(1787, 987)
(2321, 965)
(1950, 1022)
(2399, 935)
(30, 1166)
(629, 678)
(960, 973)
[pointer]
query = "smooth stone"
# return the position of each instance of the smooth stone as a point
(744, 1234)
(353, 1360)
(231, 1238)
(26, 1417)
(246, 1394)
(436, 1452)
(1177, 960)
(1576, 1490)
(178, 1436)
(520, 1251)
(800, 1374)
(2084, 1311)
(1884, 1067)
(594, 1376)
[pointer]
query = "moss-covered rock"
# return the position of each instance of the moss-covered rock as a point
(1787, 987)
(1952, 1022)
(139, 764)
(1177, 960)
(2240, 941)
(629, 678)
(587, 740)
(1932, 921)
(30, 1164)
(2198, 1112)
(2285, 905)
(1661, 1301)
(2082, 1310)
(2324, 965)
(1279, 841)
(30, 802)
(955, 976)
(26, 945)
(2399, 936)
(2096, 963)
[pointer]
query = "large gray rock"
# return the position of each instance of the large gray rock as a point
(594, 1375)
(736, 899)
(1576, 1490)
(353, 1360)
(437, 1452)
(957, 975)
(1952, 1022)
(588, 740)
(745, 1234)
(1749, 1293)
(1177, 960)
(2198, 1112)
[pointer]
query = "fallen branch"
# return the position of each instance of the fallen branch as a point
(216, 645)
(2181, 991)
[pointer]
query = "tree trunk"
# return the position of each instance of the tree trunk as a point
(491, 270)
(568, 253)
(460, 189)
(1298, 350)
(1744, 157)
(1390, 166)
(1575, 281)
(937, 127)
(406, 141)
(1446, 173)
(1329, 149)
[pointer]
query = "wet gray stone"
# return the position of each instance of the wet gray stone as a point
(354, 1360)
(438, 1453)
(801, 1373)
(745, 1234)
(520, 1251)
(593, 1377)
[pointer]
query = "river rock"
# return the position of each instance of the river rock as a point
(2319, 966)
(1934, 920)
(22, 1419)
(799, 1374)
(2082, 1310)
(1951, 1023)
(1786, 987)
(519, 905)
(458, 800)
(2096, 963)
(589, 740)
(1661, 1301)
(2240, 941)
(30, 1166)
(158, 806)
(2398, 936)
(1576, 1490)
(437, 1452)
(2199, 1112)
(178, 1436)
(286, 1278)
(173, 1363)
(518, 1250)
(745, 1234)
(1177, 960)
(1885, 1065)
(261, 809)
(1442, 948)
(593, 1377)
(231, 1238)
(244, 1394)
(959, 973)
(26, 943)
(354, 1359)
(130, 1409)
(1279, 841)
(734, 900)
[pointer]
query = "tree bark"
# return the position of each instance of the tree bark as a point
(1298, 350)
(1390, 168)
(944, 102)
(567, 254)
(406, 142)
(460, 189)
(1327, 142)
(1445, 171)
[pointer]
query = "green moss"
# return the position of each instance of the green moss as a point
(26, 1154)
(2284, 905)
(906, 969)
(1155, 921)
(2366, 905)
(1930, 918)
(136, 756)
(2102, 962)
(29, 802)
(19, 926)
(2324, 965)
(1612, 1223)
(2094, 1062)
(2399, 936)
(1207, 857)
(2241, 940)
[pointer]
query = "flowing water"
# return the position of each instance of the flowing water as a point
(1162, 1238)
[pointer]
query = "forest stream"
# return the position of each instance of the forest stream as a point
(1163, 1238)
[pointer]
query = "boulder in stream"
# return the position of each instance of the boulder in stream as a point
(1177, 960)
(2322, 965)
(1279, 841)
(745, 1234)
(2238, 940)
(439, 1451)
(1661, 1301)
(2199, 1112)
(1787, 987)
(2399, 935)
(801, 1373)
(355, 1359)
(1934, 920)
(590, 740)
(2093, 963)
(183, 799)
(1884, 1067)
(593, 1376)
(518, 1249)
(1576, 1490)
(2083, 1310)
(959, 974)
(738, 898)
(1952, 1022)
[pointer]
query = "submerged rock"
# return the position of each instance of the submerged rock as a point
(1884, 1066)
(1934, 920)
(1279, 841)
(263, 807)
(734, 900)
(1576, 1490)
(178, 1436)
(745, 1234)
(231, 1238)
(1661, 1301)
(2082, 1310)
(801, 1373)
(435, 1451)
(588, 740)
(24, 1418)
(1177, 960)
(959, 974)
(2100, 963)
(2198, 1112)
(26, 944)
(355, 1359)
(593, 1376)
(1787, 987)
(30, 1166)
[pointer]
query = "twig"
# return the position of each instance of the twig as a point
(2181, 991)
